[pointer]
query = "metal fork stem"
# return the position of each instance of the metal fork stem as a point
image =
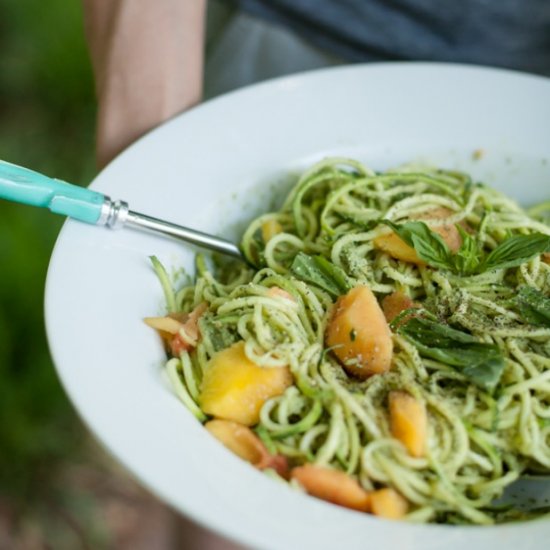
(118, 215)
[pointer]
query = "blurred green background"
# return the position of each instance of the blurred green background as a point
(57, 488)
(46, 122)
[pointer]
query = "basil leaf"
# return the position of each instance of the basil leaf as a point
(516, 250)
(403, 317)
(434, 334)
(219, 333)
(467, 258)
(485, 375)
(337, 274)
(322, 273)
(479, 362)
(429, 246)
(533, 306)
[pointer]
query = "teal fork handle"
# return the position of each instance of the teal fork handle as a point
(28, 187)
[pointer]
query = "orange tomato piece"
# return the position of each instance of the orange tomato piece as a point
(242, 441)
(409, 422)
(332, 485)
(359, 334)
(395, 303)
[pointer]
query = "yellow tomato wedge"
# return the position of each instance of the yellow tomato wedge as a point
(235, 388)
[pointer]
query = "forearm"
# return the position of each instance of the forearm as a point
(148, 63)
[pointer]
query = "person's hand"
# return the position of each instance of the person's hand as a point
(147, 58)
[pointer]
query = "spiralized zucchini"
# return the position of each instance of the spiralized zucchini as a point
(480, 439)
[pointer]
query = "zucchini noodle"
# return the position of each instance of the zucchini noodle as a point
(479, 440)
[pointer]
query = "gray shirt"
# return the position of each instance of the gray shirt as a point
(503, 33)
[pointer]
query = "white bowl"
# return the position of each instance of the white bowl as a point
(216, 167)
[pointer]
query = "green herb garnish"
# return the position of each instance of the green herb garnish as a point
(322, 273)
(516, 250)
(533, 306)
(469, 259)
(220, 334)
(479, 362)
(429, 246)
